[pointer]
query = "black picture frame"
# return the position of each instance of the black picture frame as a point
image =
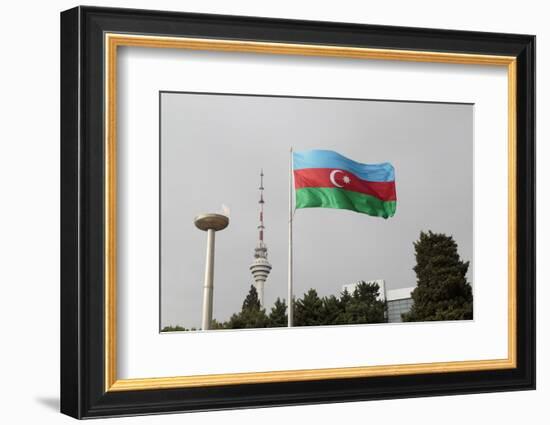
(83, 392)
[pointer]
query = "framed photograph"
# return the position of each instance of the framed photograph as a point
(261, 212)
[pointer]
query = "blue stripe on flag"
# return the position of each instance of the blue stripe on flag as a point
(316, 158)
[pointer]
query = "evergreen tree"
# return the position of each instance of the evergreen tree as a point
(278, 316)
(308, 310)
(442, 292)
(251, 314)
(343, 303)
(217, 325)
(251, 302)
(176, 328)
(364, 306)
(330, 310)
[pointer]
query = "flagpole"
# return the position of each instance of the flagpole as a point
(290, 202)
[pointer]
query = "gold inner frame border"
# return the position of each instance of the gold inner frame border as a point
(113, 40)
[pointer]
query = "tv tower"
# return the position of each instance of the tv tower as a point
(260, 267)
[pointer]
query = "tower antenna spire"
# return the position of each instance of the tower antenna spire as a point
(261, 226)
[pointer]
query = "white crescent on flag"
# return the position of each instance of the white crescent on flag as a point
(332, 175)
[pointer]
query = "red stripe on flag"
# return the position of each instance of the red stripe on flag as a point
(331, 177)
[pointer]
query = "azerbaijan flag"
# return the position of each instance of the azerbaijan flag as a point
(326, 179)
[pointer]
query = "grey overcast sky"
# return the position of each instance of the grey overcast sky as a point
(212, 149)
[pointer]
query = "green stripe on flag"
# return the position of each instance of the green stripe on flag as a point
(324, 197)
